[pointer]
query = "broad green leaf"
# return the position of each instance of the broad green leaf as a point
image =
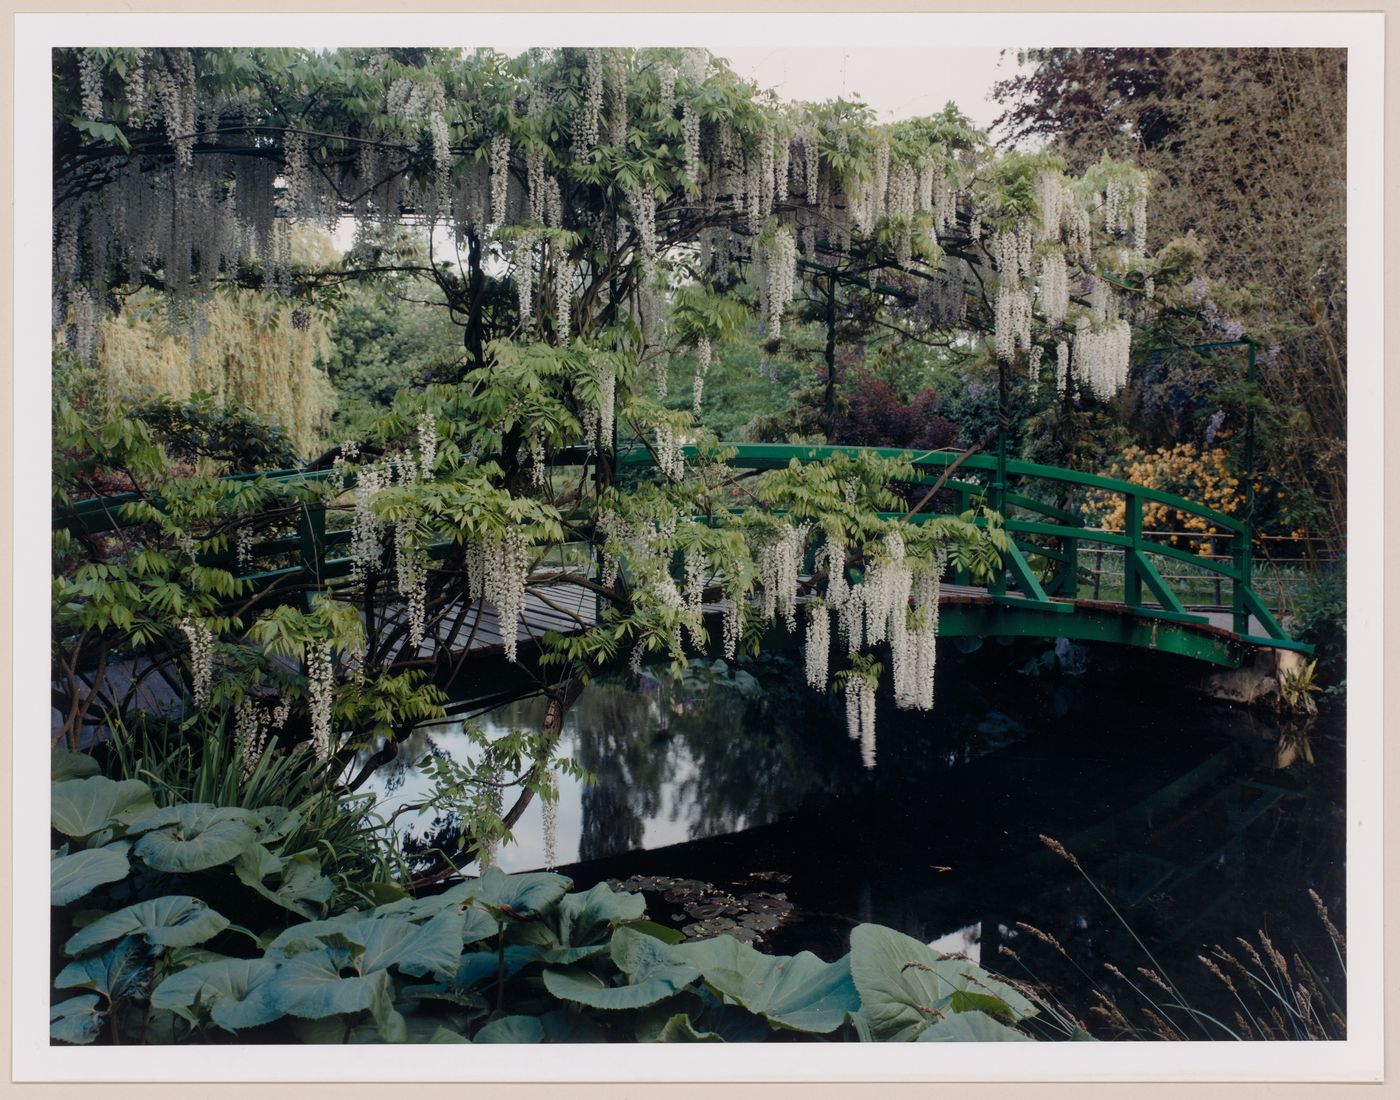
(173, 921)
(233, 990)
(480, 966)
(198, 838)
(413, 949)
(587, 918)
(905, 986)
(120, 973)
(522, 895)
(680, 1029)
(300, 887)
(80, 807)
(561, 1026)
(311, 935)
(74, 876)
(311, 985)
(512, 1029)
(652, 972)
(798, 992)
(76, 1020)
(971, 1027)
(71, 765)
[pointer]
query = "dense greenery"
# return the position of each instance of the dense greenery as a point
(574, 273)
(142, 873)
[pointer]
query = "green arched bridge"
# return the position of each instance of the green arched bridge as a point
(1041, 592)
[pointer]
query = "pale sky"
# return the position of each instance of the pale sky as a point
(897, 83)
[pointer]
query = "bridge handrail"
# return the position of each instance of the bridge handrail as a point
(99, 513)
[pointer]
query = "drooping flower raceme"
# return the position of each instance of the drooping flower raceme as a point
(201, 642)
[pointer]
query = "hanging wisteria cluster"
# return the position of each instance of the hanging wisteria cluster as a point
(498, 567)
(252, 724)
(320, 693)
(201, 643)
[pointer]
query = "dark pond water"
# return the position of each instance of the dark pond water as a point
(1198, 821)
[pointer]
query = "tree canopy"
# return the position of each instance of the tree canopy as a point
(602, 209)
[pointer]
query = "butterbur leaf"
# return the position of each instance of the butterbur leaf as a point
(413, 949)
(798, 992)
(233, 990)
(905, 986)
(300, 886)
(76, 1020)
(74, 876)
(120, 973)
(680, 1029)
(80, 807)
(522, 895)
(512, 1029)
(571, 1027)
(971, 1027)
(198, 838)
(71, 765)
(174, 921)
(479, 966)
(653, 974)
(311, 985)
(588, 918)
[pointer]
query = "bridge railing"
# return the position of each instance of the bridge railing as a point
(1038, 529)
(1032, 521)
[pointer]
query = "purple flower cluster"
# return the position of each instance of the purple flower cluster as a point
(1213, 428)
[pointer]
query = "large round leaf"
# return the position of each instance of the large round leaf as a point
(80, 807)
(520, 895)
(193, 837)
(174, 921)
(76, 1020)
(233, 990)
(971, 1027)
(512, 1029)
(312, 986)
(653, 974)
(905, 986)
(798, 992)
(587, 918)
(74, 876)
(71, 765)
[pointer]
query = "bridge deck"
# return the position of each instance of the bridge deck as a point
(475, 627)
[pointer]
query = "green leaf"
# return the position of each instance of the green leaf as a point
(76, 1020)
(198, 837)
(302, 888)
(587, 918)
(434, 947)
(905, 986)
(174, 921)
(71, 765)
(798, 992)
(74, 876)
(120, 973)
(680, 1029)
(512, 1029)
(971, 1027)
(521, 895)
(653, 974)
(233, 990)
(80, 807)
(310, 985)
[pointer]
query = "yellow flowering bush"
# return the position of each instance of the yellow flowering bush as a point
(1199, 474)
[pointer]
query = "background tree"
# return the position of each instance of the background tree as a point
(1248, 150)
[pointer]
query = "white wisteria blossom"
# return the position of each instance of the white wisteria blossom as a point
(201, 643)
(320, 690)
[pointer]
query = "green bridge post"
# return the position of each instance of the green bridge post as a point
(311, 535)
(1132, 526)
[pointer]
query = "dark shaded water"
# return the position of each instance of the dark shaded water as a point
(1200, 822)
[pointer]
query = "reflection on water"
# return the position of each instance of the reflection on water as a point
(1199, 821)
